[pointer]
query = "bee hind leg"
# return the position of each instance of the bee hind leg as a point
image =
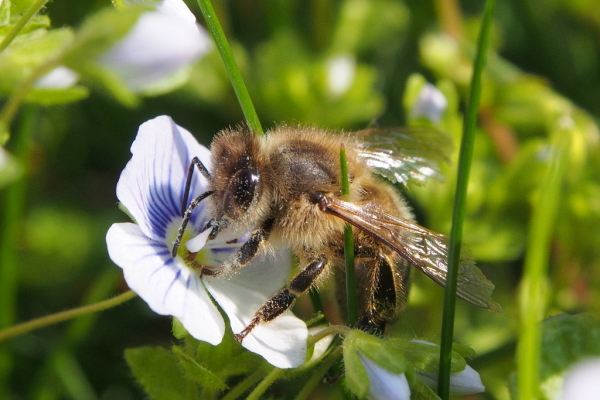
(386, 298)
(283, 300)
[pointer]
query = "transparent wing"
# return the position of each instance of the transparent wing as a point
(404, 154)
(425, 249)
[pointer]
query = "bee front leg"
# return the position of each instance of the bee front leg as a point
(248, 250)
(284, 299)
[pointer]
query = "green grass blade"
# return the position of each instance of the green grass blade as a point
(351, 301)
(458, 215)
(533, 290)
(232, 69)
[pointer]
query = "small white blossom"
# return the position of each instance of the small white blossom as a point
(151, 189)
(462, 383)
(59, 78)
(160, 45)
(430, 104)
(582, 381)
(341, 71)
(383, 384)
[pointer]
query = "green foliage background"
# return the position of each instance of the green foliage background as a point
(542, 83)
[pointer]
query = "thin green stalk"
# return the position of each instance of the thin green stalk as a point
(351, 301)
(319, 373)
(31, 11)
(332, 330)
(232, 69)
(43, 385)
(64, 316)
(14, 207)
(264, 385)
(460, 200)
(315, 299)
(243, 386)
(533, 290)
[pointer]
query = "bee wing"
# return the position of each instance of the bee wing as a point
(425, 249)
(404, 154)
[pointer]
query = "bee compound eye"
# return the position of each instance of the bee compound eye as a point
(241, 191)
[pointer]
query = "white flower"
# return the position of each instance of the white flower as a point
(383, 384)
(59, 78)
(151, 188)
(341, 71)
(430, 104)
(162, 44)
(582, 381)
(462, 383)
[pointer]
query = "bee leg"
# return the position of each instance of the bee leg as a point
(283, 300)
(188, 182)
(248, 250)
(388, 280)
(186, 219)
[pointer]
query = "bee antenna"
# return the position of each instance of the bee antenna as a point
(186, 218)
(188, 182)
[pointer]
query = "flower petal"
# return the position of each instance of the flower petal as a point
(383, 384)
(177, 9)
(151, 185)
(159, 45)
(196, 244)
(165, 283)
(59, 78)
(282, 342)
(462, 383)
(581, 380)
(431, 104)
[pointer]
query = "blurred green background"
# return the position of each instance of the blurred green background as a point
(544, 67)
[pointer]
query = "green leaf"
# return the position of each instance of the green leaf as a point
(49, 97)
(27, 52)
(424, 357)
(198, 373)
(36, 22)
(10, 169)
(4, 14)
(159, 373)
(567, 339)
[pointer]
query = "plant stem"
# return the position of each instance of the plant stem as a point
(533, 290)
(450, 18)
(264, 385)
(332, 330)
(244, 385)
(64, 316)
(31, 11)
(14, 207)
(460, 200)
(317, 376)
(351, 301)
(232, 69)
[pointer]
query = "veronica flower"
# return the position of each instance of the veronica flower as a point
(153, 56)
(383, 384)
(161, 44)
(462, 383)
(430, 103)
(151, 189)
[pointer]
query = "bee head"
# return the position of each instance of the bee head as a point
(237, 179)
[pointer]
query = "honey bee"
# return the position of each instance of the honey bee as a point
(286, 187)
